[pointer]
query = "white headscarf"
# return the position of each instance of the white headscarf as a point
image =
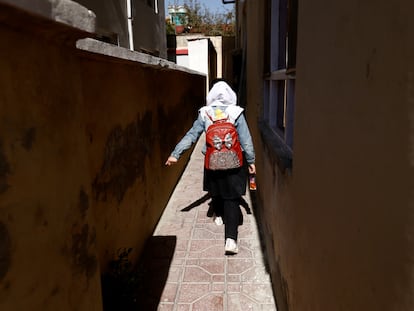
(221, 94)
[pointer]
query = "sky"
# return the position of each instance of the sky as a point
(213, 5)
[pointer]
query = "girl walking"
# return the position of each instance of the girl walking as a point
(229, 154)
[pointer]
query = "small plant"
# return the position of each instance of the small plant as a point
(121, 284)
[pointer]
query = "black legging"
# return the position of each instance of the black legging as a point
(229, 209)
(232, 215)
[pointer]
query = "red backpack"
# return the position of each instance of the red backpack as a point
(223, 146)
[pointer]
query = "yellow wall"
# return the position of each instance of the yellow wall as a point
(83, 140)
(339, 229)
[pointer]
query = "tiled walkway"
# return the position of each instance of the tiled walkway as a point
(200, 277)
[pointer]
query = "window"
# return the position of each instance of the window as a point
(152, 4)
(280, 68)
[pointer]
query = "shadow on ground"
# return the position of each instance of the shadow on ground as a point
(155, 264)
(210, 212)
(126, 287)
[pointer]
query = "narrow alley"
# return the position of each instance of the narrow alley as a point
(92, 104)
(200, 276)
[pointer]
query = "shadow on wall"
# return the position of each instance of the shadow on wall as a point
(280, 286)
(123, 162)
(172, 48)
(127, 287)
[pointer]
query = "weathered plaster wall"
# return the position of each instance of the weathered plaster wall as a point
(136, 115)
(274, 195)
(83, 139)
(339, 229)
(353, 143)
(50, 252)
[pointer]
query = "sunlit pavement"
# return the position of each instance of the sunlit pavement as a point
(189, 269)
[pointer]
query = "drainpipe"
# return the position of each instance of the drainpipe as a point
(156, 6)
(130, 20)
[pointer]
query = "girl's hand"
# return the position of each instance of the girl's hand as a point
(171, 161)
(252, 169)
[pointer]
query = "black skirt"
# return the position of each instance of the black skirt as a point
(228, 184)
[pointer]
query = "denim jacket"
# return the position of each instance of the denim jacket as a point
(199, 127)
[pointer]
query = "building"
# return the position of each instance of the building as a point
(135, 24)
(178, 16)
(211, 55)
(328, 89)
(84, 132)
(329, 96)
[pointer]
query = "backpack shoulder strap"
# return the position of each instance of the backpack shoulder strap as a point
(234, 112)
(206, 112)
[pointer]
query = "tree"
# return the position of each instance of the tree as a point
(200, 19)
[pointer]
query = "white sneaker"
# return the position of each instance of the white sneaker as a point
(218, 220)
(231, 247)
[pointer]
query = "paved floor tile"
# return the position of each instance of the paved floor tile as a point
(200, 276)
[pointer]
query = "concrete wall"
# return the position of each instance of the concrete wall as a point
(339, 227)
(111, 20)
(218, 45)
(218, 61)
(83, 140)
(227, 67)
(198, 56)
(148, 27)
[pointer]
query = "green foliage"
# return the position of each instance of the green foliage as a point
(201, 20)
(169, 28)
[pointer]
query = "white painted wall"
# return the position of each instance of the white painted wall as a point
(183, 60)
(198, 55)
